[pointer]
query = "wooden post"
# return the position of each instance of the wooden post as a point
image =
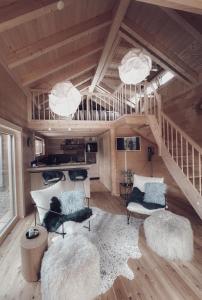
(113, 163)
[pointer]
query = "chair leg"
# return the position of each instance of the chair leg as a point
(35, 212)
(128, 217)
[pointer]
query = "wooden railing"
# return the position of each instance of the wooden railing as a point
(126, 100)
(182, 148)
(185, 152)
(138, 97)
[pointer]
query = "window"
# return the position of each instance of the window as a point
(7, 179)
(1, 161)
(39, 146)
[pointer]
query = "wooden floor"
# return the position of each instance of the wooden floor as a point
(155, 278)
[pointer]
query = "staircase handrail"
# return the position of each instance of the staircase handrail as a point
(183, 133)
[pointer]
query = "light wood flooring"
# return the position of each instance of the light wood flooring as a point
(155, 278)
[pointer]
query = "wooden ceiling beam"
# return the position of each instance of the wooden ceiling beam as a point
(22, 11)
(118, 17)
(166, 56)
(109, 58)
(61, 63)
(88, 63)
(84, 85)
(81, 80)
(106, 87)
(183, 24)
(57, 40)
(194, 6)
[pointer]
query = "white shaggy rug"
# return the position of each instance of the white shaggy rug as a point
(116, 242)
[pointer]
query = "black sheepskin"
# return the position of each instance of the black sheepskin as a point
(54, 218)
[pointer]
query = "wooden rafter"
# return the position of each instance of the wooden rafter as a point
(83, 66)
(183, 24)
(84, 85)
(23, 11)
(61, 63)
(82, 79)
(194, 6)
(168, 57)
(106, 87)
(109, 58)
(119, 15)
(57, 40)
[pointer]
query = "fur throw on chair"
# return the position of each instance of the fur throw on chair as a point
(54, 218)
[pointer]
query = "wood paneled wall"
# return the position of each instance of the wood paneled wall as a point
(182, 106)
(52, 146)
(13, 107)
(13, 103)
(104, 160)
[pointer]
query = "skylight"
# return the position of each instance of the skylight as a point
(167, 76)
(159, 81)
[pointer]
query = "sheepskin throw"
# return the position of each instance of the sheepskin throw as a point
(169, 235)
(155, 193)
(71, 270)
(72, 201)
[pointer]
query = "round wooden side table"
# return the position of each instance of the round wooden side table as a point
(32, 251)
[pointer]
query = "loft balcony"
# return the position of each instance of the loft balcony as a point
(96, 110)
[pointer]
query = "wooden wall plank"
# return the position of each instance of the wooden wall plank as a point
(183, 23)
(23, 11)
(194, 6)
(61, 63)
(57, 40)
(157, 48)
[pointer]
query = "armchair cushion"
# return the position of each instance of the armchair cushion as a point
(155, 193)
(139, 208)
(72, 201)
(139, 181)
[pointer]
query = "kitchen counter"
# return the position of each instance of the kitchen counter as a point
(62, 167)
(37, 181)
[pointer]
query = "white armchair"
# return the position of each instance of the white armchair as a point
(139, 207)
(42, 198)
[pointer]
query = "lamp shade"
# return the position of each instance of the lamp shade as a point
(64, 99)
(135, 67)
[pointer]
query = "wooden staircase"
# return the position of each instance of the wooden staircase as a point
(181, 155)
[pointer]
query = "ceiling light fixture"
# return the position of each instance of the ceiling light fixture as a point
(135, 67)
(64, 99)
(60, 5)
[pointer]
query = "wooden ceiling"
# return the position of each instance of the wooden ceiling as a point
(85, 41)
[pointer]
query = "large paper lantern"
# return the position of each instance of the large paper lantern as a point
(135, 66)
(64, 99)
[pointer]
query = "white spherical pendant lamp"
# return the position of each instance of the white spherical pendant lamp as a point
(64, 99)
(135, 67)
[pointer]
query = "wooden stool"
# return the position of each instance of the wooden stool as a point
(32, 251)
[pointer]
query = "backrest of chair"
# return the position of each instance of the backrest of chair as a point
(139, 181)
